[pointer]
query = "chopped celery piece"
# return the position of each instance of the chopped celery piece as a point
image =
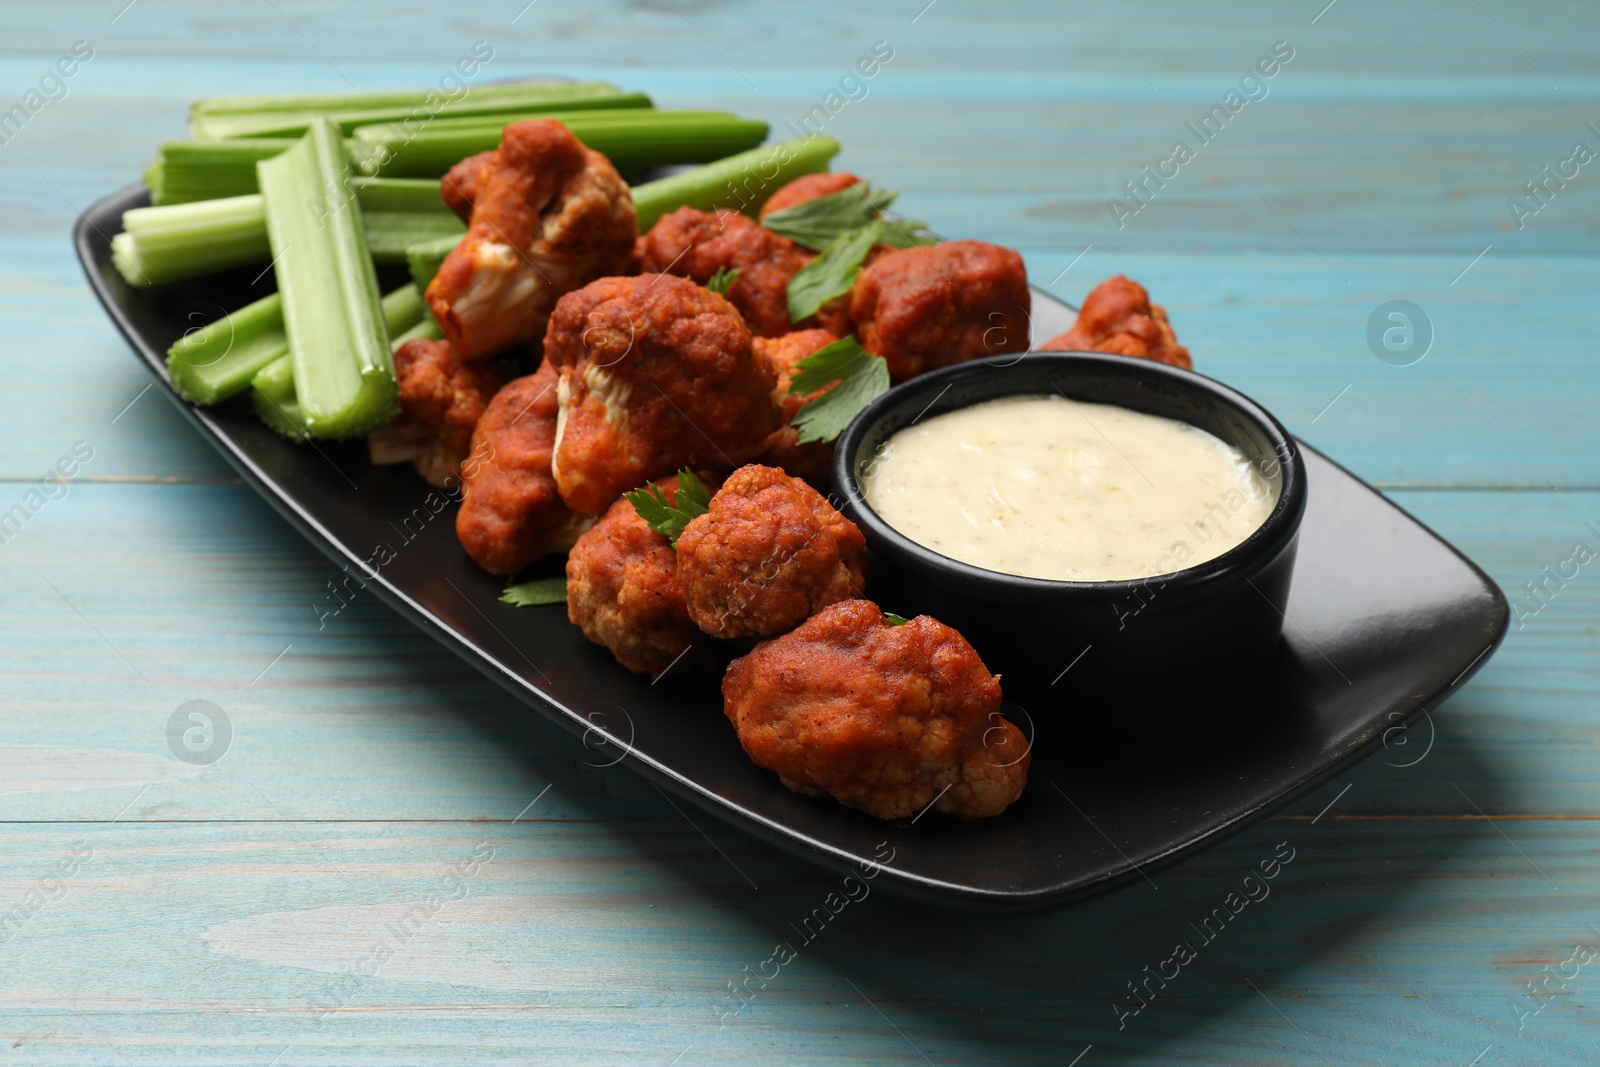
(630, 138)
(400, 212)
(186, 171)
(743, 181)
(164, 244)
(216, 361)
(209, 364)
(343, 374)
(288, 116)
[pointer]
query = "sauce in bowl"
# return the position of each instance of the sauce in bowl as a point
(1046, 487)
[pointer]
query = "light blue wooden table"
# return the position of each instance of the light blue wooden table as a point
(273, 907)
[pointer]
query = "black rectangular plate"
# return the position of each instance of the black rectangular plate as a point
(1385, 620)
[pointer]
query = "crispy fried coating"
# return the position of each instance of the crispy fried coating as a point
(922, 308)
(510, 511)
(461, 184)
(813, 460)
(808, 187)
(1117, 317)
(884, 718)
(696, 244)
(657, 373)
(441, 400)
(769, 554)
(623, 592)
(548, 216)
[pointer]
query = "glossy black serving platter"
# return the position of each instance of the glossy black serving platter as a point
(1385, 619)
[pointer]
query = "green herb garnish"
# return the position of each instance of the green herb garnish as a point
(669, 518)
(898, 620)
(857, 378)
(815, 223)
(833, 272)
(722, 280)
(542, 591)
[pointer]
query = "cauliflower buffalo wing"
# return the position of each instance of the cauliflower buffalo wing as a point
(656, 373)
(1118, 317)
(884, 718)
(696, 244)
(441, 400)
(808, 187)
(927, 307)
(769, 554)
(548, 216)
(623, 592)
(813, 460)
(510, 511)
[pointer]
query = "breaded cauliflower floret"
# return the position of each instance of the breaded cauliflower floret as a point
(808, 187)
(548, 216)
(656, 374)
(441, 401)
(1117, 317)
(813, 460)
(884, 718)
(623, 593)
(511, 514)
(696, 244)
(768, 555)
(927, 307)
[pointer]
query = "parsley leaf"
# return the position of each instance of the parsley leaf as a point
(815, 223)
(858, 378)
(543, 591)
(907, 233)
(833, 272)
(668, 519)
(898, 620)
(722, 280)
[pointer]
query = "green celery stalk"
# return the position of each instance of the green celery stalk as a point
(343, 373)
(210, 364)
(177, 241)
(425, 259)
(272, 388)
(400, 212)
(743, 181)
(186, 171)
(628, 138)
(222, 118)
(163, 244)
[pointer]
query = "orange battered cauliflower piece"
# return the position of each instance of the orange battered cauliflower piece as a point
(927, 307)
(657, 373)
(1118, 317)
(623, 593)
(768, 555)
(813, 460)
(511, 514)
(696, 244)
(441, 400)
(888, 719)
(548, 216)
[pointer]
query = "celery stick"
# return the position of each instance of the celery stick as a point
(186, 171)
(400, 212)
(212, 363)
(743, 181)
(210, 120)
(168, 243)
(344, 377)
(209, 364)
(272, 388)
(628, 139)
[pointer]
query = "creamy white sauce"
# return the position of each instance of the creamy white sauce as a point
(1047, 487)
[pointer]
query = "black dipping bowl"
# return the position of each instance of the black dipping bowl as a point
(1171, 652)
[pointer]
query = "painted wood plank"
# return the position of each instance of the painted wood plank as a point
(547, 941)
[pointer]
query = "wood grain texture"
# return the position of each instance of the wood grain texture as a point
(273, 907)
